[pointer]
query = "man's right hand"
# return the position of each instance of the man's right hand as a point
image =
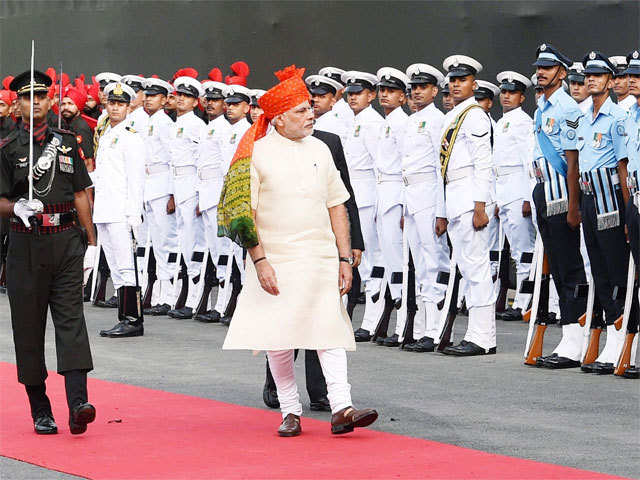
(574, 218)
(441, 226)
(357, 257)
(267, 277)
(171, 205)
(24, 209)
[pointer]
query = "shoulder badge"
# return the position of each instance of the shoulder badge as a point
(573, 123)
(130, 129)
(79, 139)
(620, 130)
(64, 149)
(571, 134)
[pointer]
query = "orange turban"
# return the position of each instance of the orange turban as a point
(235, 219)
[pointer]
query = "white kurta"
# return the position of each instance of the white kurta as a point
(293, 184)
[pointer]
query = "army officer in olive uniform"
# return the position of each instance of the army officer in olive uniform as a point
(45, 258)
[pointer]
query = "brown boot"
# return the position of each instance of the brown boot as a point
(348, 418)
(290, 426)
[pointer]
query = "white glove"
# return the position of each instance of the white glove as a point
(23, 209)
(89, 259)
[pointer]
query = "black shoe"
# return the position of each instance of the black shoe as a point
(511, 315)
(391, 341)
(226, 321)
(158, 310)
(551, 318)
(111, 303)
(560, 362)
(183, 313)
(600, 368)
(270, 397)
(468, 349)
(409, 347)
(44, 424)
(125, 328)
(540, 360)
(320, 405)
(632, 372)
(207, 317)
(397, 303)
(362, 335)
(79, 416)
(425, 344)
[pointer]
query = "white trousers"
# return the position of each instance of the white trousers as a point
(522, 238)
(372, 255)
(334, 368)
(115, 239)
(390, 237)
(164, 236)
(471, 252)
(191, 231)
(430, 253)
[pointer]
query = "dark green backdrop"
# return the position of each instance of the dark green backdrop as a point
(148, 37)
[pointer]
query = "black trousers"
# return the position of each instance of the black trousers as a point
(609, 257)
(562, 244)
(45, 272)
(316, 383)
(633, 226)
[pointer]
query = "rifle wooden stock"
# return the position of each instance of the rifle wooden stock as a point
(445, 336)
(535, 350)
(526, 316)
(583, 319)
(593, 350)
(382, 329)
(624, 361)
(618, 322)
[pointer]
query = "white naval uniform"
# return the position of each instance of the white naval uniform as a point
(424, 201)
(119, 182)
(345, 115)
(360, 150)
(185, 143)
(512, 150)
(389, 191)
(157, 190)
(470, 179)
(210, 180)
(331, 122)
(229, 250)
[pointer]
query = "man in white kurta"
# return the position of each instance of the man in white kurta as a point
(302, 263)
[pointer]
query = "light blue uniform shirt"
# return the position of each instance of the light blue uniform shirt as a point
(633, 138)
(560, 119)
(602, 141)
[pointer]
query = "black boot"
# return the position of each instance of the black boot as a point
(43, 422)
(129, 314)
(81, 412)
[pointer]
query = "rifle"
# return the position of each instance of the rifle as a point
(402, 317)
(630, 301)
(60, 99)
(539, 309)
(591, 339)
(450, 307)
(209, 277)
(152, 277)
(502, 257)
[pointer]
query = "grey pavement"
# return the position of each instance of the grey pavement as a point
(491, 403)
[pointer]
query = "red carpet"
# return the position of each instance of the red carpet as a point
(148, 434)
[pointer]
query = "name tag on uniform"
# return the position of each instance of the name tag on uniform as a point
(233, 138)
(66, 163)
(150, 134)
(357, 131)
(421, 127)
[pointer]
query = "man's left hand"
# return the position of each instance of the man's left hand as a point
(345, 278)
(357, 257)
